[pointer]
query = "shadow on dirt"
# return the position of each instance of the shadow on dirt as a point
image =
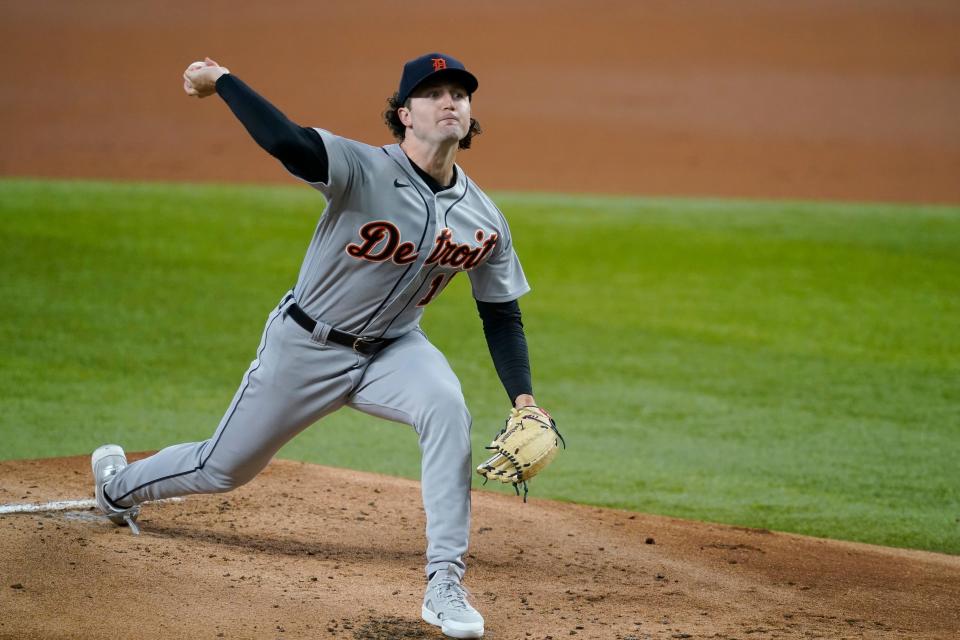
(390, 628)
(272, 544)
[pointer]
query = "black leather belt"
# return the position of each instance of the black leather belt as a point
(361, 344)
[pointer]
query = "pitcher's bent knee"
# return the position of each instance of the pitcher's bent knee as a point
(447, 412)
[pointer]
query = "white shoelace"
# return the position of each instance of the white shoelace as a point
(453, 593)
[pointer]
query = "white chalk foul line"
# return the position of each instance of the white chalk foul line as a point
(59, 505)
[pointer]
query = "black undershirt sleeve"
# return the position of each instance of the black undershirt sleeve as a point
(503, 330)
(300, 149)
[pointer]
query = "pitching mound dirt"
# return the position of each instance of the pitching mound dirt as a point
(306, 551)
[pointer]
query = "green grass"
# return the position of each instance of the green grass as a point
(794, 366)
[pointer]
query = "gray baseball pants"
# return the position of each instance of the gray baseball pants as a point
(298, 378)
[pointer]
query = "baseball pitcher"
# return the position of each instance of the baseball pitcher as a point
(401, 221)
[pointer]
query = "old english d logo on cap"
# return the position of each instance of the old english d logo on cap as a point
(434, 65)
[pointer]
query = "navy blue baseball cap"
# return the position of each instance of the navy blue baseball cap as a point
(434, 65)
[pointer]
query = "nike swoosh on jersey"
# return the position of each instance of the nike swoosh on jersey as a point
(398, 184)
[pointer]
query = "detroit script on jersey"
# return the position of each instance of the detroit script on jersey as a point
(380, 241)
(386, 245)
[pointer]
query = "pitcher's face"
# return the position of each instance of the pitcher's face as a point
(437, 112)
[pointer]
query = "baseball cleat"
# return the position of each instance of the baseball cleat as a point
(446, 605)
(106, 461)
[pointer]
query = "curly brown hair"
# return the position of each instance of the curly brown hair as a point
(399, 131)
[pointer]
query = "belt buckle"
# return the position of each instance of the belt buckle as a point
(362, 341)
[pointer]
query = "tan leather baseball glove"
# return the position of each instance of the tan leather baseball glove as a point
(524, 447)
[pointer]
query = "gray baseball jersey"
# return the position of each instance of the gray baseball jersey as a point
(385, 247)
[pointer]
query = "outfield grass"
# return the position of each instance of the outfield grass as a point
(793, 366)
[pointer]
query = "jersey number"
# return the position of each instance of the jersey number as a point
(434, 288)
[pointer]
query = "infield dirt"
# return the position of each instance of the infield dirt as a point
(854, 100)
(814, 100)
(306, 551)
